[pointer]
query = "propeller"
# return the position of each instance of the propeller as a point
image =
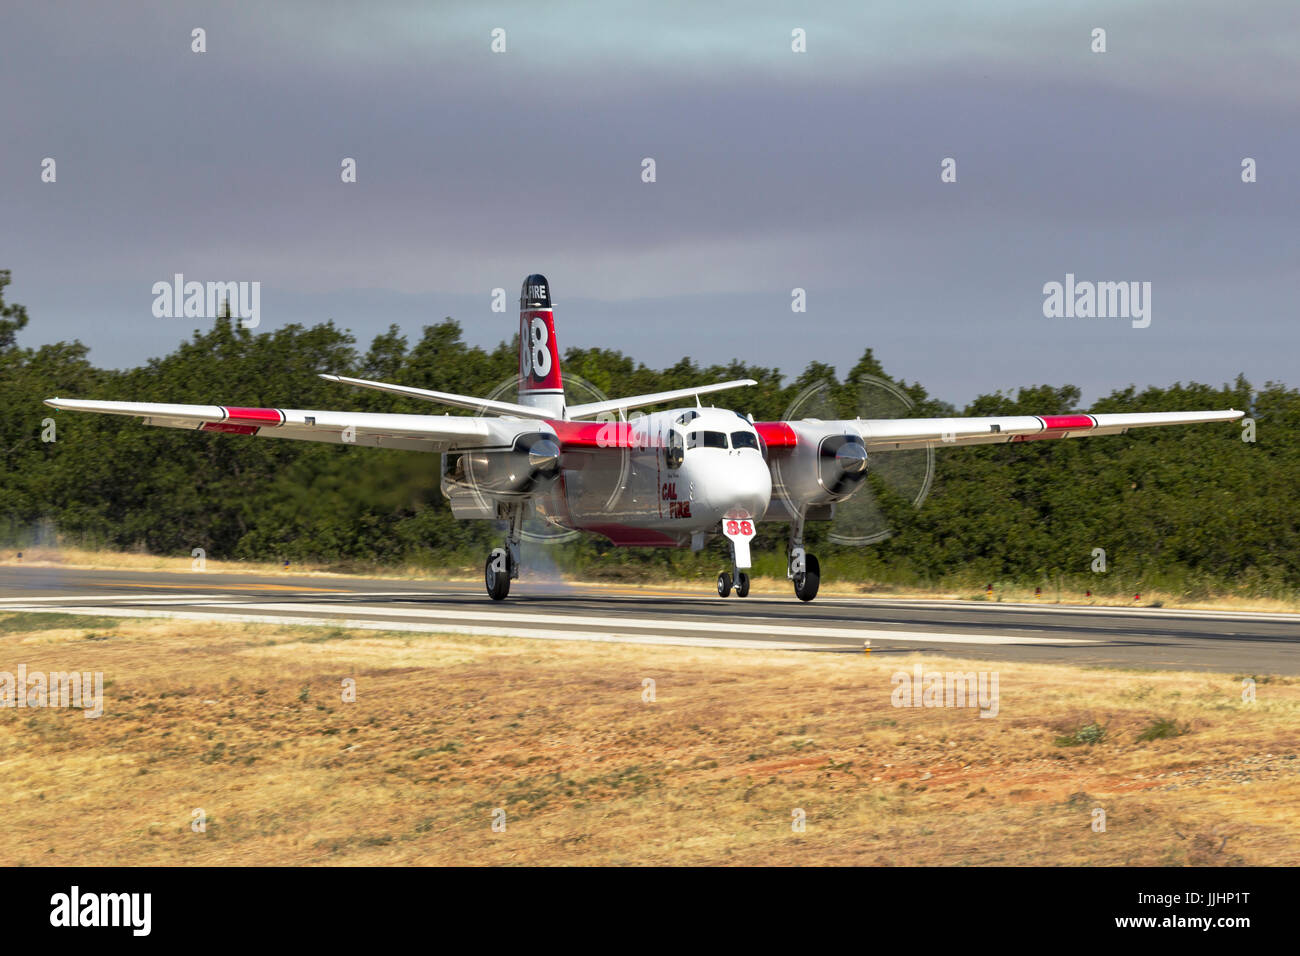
(906, 474)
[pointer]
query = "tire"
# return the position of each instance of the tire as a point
(724, 584)
(742, 585)
(806, 584)
(497, 582)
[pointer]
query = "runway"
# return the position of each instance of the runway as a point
(1233, 642)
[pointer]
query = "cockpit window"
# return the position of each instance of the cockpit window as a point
(744, 440)
(674, 450)
(706, 440)
(687, 416)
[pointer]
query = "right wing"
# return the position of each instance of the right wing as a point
(431, 433)
(816, 463)
(888, 434)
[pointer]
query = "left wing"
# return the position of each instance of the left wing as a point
(432, 433)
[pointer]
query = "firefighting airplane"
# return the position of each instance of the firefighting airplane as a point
(666, 479)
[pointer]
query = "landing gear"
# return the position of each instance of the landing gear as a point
(740, 583)
(496, 574)
(502, 565)
(807, 581)
(738, 531)
(804, 570)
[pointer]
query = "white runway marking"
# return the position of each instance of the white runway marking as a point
(450, 627)
(20, 603)
(1103, 609)
(555, 626)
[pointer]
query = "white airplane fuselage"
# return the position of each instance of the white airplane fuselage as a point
(662, 477)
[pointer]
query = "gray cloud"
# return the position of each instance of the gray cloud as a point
(774, 171)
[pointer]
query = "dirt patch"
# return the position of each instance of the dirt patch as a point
(722, 759)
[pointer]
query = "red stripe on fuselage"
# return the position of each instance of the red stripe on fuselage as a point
(625, 537)
(253, 416)
(776, 434)
(601, 435)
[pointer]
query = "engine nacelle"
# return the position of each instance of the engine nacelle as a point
(530, 466)
(821, 469)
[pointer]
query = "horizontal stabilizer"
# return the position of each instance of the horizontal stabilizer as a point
(446, 398)
(654, 398)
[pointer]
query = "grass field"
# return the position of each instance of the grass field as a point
(127, 561)
(248, 724)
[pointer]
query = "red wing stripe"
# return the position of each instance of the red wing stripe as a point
(1056, 426)
(1070, 422)
(253, 416)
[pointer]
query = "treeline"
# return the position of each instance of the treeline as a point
(1191, 509)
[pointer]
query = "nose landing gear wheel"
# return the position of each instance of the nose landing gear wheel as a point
(724, 584)
(496, 574)
(742, 585)
(807, 582)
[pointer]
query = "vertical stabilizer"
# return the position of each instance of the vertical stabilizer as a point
(540, 385)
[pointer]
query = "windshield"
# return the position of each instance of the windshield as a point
(706, 440)
(744, 440)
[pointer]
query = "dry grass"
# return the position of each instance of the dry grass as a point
(68, 557)
(1025, 595)
(80, 558)
(247, 723)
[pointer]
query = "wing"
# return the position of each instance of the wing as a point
(889, 434)
(815, 465)
(432, 433)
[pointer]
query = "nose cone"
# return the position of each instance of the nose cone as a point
(544, 456)
(852, 459)
(743, 489)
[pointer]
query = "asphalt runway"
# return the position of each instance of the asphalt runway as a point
(1234, 642)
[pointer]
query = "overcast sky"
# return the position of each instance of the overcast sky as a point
(775, 170)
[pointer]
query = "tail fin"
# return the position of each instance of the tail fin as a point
(540, 385)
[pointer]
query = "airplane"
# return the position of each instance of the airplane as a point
(665, 479)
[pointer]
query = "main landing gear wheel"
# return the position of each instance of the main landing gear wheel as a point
(742, 585)
(724, 584)
(496, 574)
(808, 580)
